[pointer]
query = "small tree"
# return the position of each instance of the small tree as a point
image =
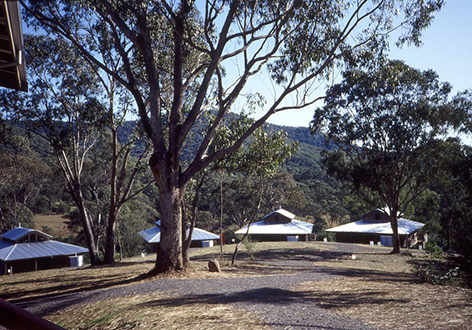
(385, 123)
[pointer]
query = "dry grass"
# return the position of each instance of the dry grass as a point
(381, 261)
(56, 222)
(394, 302)
(53, 281)
(377, 288)
(381, 290)
(153, 311)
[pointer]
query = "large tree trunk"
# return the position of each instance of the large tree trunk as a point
(113, 212)
(89, 235)
(396, 238)
(110, 239)
(169, 254)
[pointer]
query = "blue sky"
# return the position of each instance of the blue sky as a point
(447, 49)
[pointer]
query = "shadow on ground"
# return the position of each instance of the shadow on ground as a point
(79, 283)
(274, 296)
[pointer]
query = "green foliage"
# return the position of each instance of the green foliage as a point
(331, 237)
(22, 174)
(319, 225)
(47, 230)
(434, 251)
(42, 205)
(135, 216)
(250, 246)
(62, 208)
(385, 123)
(431, 273)
(230, 236)
(434, 269)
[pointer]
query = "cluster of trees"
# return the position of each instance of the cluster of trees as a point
(177, 62)
(250, 188)
(392, 126)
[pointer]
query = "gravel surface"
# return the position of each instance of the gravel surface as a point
(270, 297)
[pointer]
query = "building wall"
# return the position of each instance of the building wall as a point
(376, 216)
(363, 238)
(276, 238)
(30, 265)
(277, 218)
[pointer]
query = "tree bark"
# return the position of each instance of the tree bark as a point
(89, 235)
(169, 253)
(396, 238)
(109, 257)
(113, 212)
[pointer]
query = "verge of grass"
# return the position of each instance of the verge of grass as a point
(153, 311)
(383, 291)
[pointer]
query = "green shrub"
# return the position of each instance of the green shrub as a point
(434, 269)
(42, 205)
(434, 251)
(62, 208)
(322, 235)
(250, 245)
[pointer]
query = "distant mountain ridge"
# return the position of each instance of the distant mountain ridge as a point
(300, 134)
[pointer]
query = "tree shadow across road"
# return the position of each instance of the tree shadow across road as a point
(277, 298)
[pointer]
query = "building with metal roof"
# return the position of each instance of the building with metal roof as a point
(25, 249)
(375, 227)
(279, 225)
(12, 63)
(200, 237)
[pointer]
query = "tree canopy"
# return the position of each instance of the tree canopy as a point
(386, 124)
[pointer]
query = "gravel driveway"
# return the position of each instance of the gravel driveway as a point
(270, 297)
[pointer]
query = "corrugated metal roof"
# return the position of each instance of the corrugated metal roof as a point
(283, 212)
(19, 232)
(10, 251)
(153, 235)
(295, 227)
(405, 226)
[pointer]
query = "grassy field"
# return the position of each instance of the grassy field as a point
(377, 288)
(56, 222)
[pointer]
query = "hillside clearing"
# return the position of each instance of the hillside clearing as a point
(56, 222)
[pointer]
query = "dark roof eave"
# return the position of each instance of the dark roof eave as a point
(12, 68)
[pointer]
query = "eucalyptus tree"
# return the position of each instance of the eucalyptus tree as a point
(21, 176)
(386, 124)
(79, 111)
(181, 59)
(257, 161)
(62, 107)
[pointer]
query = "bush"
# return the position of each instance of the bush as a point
(250, 245)
(322, 235)
(48, 230)
(42, 205)
(432, 273)
(63, 208)
(434, 251)
(434, 269)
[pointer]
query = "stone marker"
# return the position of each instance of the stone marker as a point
(214, 265)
